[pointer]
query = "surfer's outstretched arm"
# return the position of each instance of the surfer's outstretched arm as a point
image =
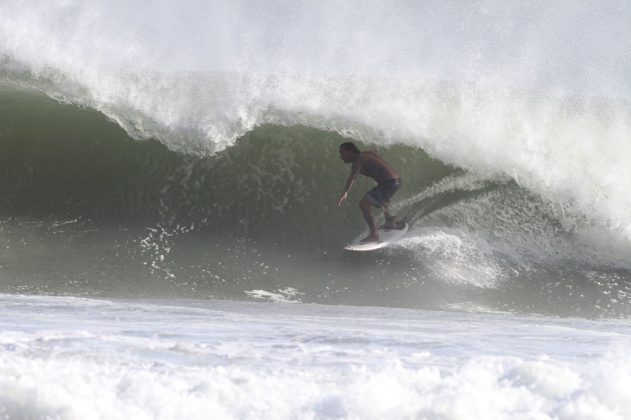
(349, 184)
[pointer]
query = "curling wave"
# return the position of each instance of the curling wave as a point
(512, 146)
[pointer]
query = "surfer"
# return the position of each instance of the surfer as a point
(372, 165)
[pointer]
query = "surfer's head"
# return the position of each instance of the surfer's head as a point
(348, 151)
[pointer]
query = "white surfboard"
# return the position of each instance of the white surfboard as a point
(386, 237)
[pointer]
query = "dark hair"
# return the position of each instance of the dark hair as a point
(349, 145)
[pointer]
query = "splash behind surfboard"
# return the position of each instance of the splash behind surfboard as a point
(386, 237)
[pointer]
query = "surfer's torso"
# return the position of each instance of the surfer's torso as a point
(372, 165)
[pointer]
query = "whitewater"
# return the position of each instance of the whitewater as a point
(79, 358)
(171, 244)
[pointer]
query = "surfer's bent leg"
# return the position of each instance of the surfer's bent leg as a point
(389, 217)
(365, 205)
(380, 197)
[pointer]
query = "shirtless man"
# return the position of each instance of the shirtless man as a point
(372, 165)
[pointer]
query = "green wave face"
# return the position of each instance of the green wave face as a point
(88, 210)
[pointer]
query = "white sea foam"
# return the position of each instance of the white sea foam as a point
(287, 295)
(68, 358)
(491, 388)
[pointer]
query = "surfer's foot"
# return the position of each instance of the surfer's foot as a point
(392, 225)
(370, 238)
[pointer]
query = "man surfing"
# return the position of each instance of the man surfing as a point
(372, 165)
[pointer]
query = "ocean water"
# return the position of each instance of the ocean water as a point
(171, 244)
(68, 357)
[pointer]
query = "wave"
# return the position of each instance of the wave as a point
(64, 161)
(88, 210)
(512, 144)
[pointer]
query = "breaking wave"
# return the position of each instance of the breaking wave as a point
(197, 145)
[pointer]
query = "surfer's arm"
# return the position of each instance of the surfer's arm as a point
(349, 184)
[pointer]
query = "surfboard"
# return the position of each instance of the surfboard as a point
(386, 237)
